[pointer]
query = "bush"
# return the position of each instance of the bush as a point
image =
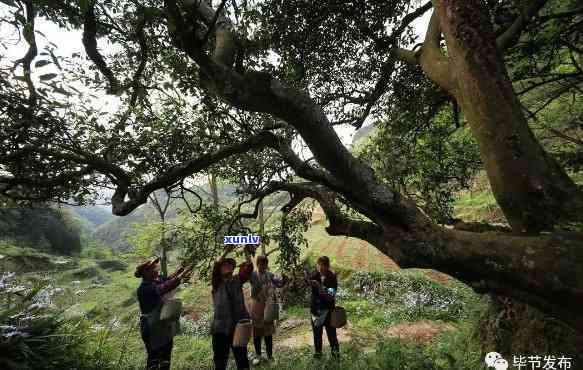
(200, 327)
(513, 328)
(96, 250)
(33, 335)
(411, 297)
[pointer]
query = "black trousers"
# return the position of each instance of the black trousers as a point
(222, 344)
(268, 345)
(330, 333)
(159, 358)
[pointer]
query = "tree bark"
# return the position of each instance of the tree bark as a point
(543, 271)
(533, 191)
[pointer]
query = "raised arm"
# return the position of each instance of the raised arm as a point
(168, 285)
(174, 281)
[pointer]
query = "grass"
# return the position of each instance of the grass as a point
(110, 337)
(320, 243)
(477, 207)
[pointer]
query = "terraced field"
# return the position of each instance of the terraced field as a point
(347, 253)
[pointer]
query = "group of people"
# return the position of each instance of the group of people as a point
(229, 309)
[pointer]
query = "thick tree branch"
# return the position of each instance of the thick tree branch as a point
(31, 53)
(225, 45)
(259, 92)
(513, 32)
(432, 60)
(544, 271)
(90, 43)
(407, 56)
(137, 197)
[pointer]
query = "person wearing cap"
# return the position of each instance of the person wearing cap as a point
(157, 335)
(263, 284)
(229, 309)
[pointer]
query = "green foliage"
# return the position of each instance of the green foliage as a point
(409, 297)
(47, 229)
(428, 163)
(200, 237)
(145, 238)
(290, 237)
(33, 335)
(96, 249)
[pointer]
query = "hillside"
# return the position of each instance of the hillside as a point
(48, 229)
(417, 314)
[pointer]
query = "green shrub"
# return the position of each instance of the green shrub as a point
(411, 296)
(33, 335)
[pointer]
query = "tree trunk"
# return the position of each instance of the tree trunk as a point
(261, 227)
(543, 271)
(214, 190)
(529, 185)
(164, 257)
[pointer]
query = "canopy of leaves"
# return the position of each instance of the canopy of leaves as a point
(56, 143)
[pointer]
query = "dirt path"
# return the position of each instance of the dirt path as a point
(306, 339)
(418, 332)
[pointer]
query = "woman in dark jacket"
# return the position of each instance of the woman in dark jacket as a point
(229, 308)
(157, 335)
(324, 286)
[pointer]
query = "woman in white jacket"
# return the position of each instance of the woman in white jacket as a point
(263, 284)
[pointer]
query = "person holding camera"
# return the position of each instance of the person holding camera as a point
(324, 285)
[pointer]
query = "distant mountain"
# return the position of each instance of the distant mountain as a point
(94, 216)
(113, 231)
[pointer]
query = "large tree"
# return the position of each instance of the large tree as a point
(200, 83)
